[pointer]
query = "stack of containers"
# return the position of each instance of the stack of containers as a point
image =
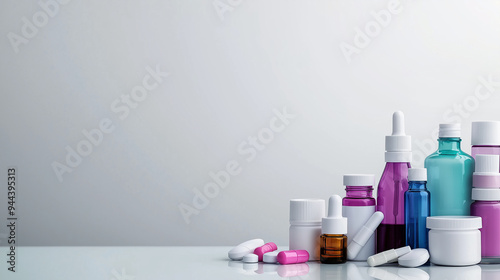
(486, 196)
(485, 138)
(486, 184)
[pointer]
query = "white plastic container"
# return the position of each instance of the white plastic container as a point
(305, 225)
(454, 240)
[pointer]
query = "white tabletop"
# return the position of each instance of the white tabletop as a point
(138, 263)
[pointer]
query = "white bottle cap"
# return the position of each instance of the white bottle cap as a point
(486, 194)
(334, 223)
(398, 145)
(387, 256)
(449, 130)
(487, 165)
(359, 180)
(486, 133)
(417, 174)
(306, 211)
(414, 258)
(364, 233)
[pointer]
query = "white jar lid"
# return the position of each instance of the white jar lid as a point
(486, 165)
(454, 222)
(359, 180)
(485, 133)
(485, 194)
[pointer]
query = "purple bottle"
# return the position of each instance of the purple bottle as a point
(358, 206)
(486, 193)
(392, 187)
(487, 206)
(485, 138)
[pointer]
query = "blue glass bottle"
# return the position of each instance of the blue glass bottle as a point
(417, 209)
(449, 174)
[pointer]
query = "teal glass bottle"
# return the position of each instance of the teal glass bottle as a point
(449, 174)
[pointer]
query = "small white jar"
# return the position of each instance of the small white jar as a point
(305, 225)
(454, 240)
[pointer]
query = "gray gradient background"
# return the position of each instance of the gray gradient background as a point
(227, 76)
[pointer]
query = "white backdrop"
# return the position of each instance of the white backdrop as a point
(118, 114)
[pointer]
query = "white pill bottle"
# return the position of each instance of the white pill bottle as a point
(305, 225)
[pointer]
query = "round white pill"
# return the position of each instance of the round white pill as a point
(271, 257)
(250, 258)
(414, 258)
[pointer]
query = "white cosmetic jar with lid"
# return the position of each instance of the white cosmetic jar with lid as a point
(454, 240)
(305, 225)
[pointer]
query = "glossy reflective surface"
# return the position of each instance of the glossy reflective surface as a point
(151, 263)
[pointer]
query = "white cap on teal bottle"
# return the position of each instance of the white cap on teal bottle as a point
(449, 130)
(398, 145)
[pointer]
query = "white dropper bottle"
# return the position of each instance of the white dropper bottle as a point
(333, 247)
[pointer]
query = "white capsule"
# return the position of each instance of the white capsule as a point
(364, 233)
(388, 256)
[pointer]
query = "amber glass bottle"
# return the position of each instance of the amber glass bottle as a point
(333, 248)
(333, 241)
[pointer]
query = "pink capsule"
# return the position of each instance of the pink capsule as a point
(266, 248)
(293, 256)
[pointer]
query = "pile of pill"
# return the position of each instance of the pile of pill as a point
(256, 250)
